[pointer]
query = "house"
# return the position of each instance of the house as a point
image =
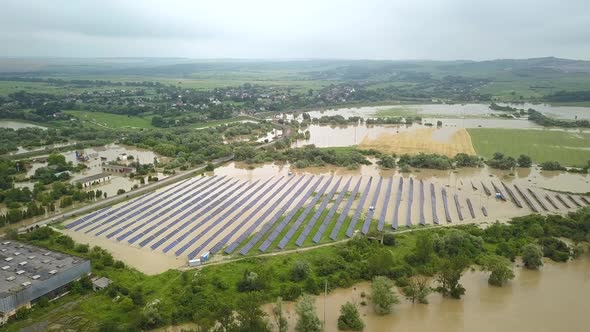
(94, 179)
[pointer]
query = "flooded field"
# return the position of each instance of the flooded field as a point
(522, 305)
(455, 110)
(18, 125)
(242, 211)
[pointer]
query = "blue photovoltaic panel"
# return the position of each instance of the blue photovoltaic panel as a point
(303, 215)
(175, 206)
(154, 210)
(433, 203)
(318, 235)
(132, 206)
(273, 235)
(208, 204)
(446, 204)
(372, 207)
(219, 245)
(359, 209)
(385, 204)
(89, 216)
(168, 236)
(422, 218)
(142, 207)
(344, 213)
(398, 201)
(223, 227)
(458, 206)
(410, 201)
(317, 214)
(266, 227)
(191, 205)
(224, 206)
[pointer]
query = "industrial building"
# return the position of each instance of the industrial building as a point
(94, 179)
(28, 273)
(117, 169)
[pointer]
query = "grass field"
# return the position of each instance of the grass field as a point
(569, 148)
(108, 120)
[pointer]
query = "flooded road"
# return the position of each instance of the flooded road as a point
(547, 300)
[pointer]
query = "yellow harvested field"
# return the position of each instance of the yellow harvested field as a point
(421, 140)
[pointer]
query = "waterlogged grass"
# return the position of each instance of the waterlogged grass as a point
(108, 120)
(569, 148)
(400, 111)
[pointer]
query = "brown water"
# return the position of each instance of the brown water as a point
(547, 300)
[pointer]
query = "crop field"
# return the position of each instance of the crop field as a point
(109, 120)
(228, 216)
(567, 147)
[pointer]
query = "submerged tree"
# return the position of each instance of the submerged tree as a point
(350, 318)
(500, 269)
(417, 289)
(449, 275)
(308, 320)
(532, 257)
(382, 295)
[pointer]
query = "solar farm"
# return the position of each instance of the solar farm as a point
(225, 216)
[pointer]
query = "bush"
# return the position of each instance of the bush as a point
(300, 270)
(382, 295)
(349, 318)
(532, 257)
(389, 239)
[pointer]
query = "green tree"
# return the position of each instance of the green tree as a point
(210, 167)
(250, 315)
(387, 161)
(56, 159)
(308, 320)
(382, 295)
(449, 275)
(532, 256)
(350, 318)
(524, 161)
(300, 270)
(500, 268)
(279, 316)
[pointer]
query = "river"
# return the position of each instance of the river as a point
(547, 300)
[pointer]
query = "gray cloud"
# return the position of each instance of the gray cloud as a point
(370, 29)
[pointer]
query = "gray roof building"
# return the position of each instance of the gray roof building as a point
(28, 272)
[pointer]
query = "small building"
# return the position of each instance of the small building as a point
(94, 179)
(29, 273)
(117, 169)
(100, 283)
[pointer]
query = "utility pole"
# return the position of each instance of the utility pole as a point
(325, 295)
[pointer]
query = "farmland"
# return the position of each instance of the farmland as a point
(109, 120)
(569, 148)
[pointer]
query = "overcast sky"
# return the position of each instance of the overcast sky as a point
(344, 29)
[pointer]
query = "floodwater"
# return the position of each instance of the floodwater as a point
(546, 300)
(18, 125)
(560, 112)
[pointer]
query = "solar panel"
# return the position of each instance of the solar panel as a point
(215, 222)
(217, 183)
(470, 207)
(446, 204)
(422, 219)
(275, 233)
(457, 206)
(369, 217)
(252, 202)
(398, 201)
(259, 221)
(283, 242)
(318, 235)
(317, 214)
(344, 213)
(410, 201)
(385, 204)
(433, 203)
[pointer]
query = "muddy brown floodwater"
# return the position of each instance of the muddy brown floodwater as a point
(552, 299)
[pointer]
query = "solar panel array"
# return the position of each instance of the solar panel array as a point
(317, 214)
(303, 215)
(385, 205)
(344, 213)
(318, 235)
(207, 213)
(266, 227)
(410, 201)
(398, 201)
(369, 217)
(275, 233)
